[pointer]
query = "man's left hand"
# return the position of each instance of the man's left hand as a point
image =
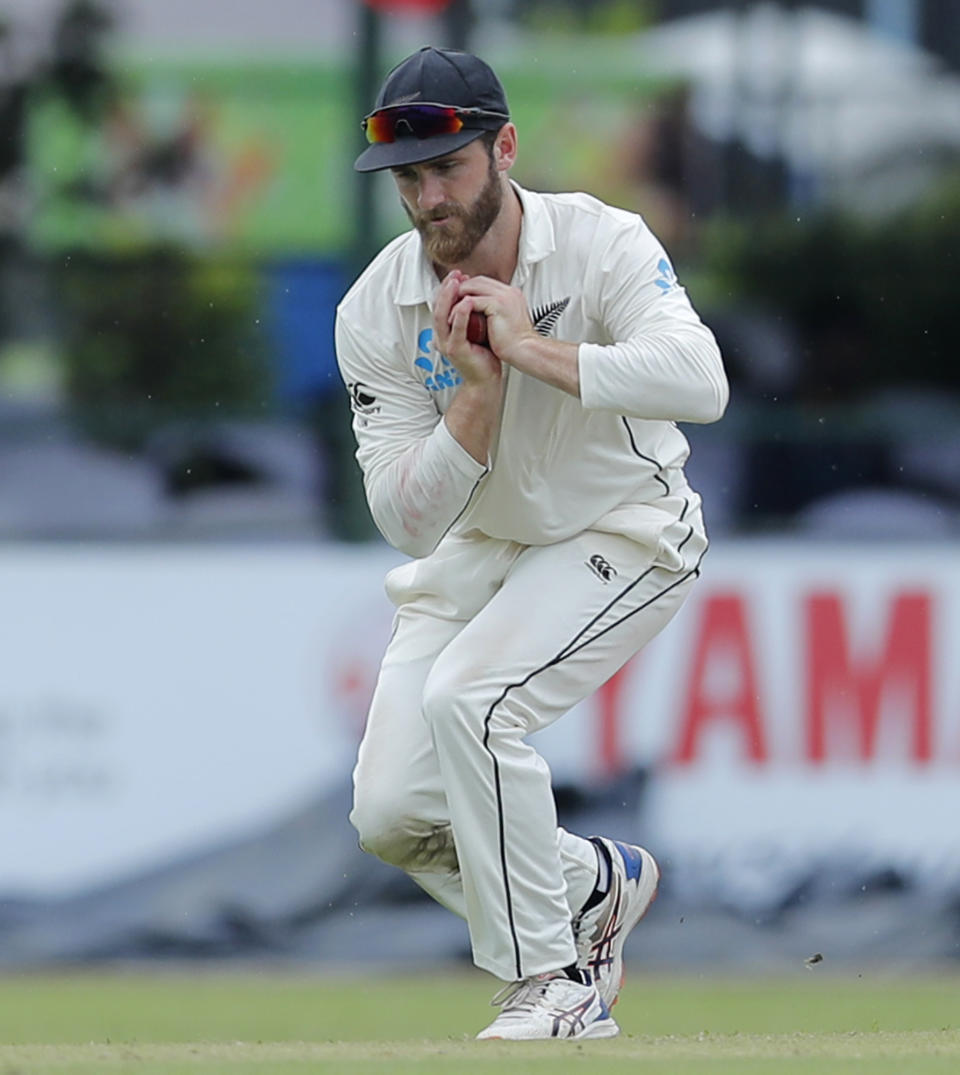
(512, 337)
(508, 319)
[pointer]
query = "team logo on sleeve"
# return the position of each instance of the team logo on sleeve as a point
(362, 401)
(545, 317)
(666, 278)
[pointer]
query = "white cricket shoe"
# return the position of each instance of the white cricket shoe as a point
(550, 1006)
(600, 933)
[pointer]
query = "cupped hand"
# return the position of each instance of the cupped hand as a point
(509, 326)
(451, 312)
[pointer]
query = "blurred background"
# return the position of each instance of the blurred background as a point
(192, 611)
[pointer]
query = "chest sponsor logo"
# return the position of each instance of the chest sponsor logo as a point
(666, 278)
(437, 370)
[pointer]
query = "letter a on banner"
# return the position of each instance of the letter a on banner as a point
(723, 641)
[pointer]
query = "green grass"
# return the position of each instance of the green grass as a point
(261, 1023)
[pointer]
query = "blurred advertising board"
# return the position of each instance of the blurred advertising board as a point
(802, 712)
(204, 155)
(158, 699)
(254, 156)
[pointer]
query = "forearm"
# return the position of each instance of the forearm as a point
(473, 415)
(672, 375)
(416, 496)
(551, 361)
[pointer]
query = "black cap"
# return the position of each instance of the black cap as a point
(436, 76)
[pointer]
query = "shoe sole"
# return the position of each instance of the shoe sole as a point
(600, 1028)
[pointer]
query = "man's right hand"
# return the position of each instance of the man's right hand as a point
(473, 415)
(451, 312)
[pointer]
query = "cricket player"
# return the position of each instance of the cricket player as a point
(534, 473)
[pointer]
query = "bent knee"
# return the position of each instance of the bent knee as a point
(399, 839)
(373, 817)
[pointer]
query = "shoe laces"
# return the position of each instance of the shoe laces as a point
(523, 995)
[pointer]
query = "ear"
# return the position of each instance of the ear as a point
(505, 147)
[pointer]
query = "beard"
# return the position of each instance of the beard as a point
(465, 227)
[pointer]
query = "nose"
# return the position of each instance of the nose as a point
(431, 193)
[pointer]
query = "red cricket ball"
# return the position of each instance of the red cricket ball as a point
(477, 327)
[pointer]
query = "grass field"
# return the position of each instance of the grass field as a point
(262, 1023)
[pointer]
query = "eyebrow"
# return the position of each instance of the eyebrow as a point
(433, 162)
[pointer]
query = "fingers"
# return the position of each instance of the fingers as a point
(476, 284)
(451, 313)
(459, 318)
(447, 295)
(494, 298)
(480, 291)
(508, 319)
(485, 287)
(447, 300)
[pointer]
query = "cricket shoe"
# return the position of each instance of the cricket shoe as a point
(600, 933)
(550, 1006)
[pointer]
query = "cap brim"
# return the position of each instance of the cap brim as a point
(412, 150)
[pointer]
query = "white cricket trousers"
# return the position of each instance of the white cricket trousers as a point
(492, 641)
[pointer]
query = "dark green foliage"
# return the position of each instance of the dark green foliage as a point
(160, 333)
(874, 303)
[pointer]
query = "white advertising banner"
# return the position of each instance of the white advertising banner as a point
(155, 700)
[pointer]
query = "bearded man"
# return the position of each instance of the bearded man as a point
(528, 461)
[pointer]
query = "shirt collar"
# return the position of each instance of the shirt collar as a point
(418, 282)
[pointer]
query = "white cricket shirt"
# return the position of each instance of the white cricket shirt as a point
(611, 460)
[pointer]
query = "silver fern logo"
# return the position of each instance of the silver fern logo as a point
(544, 318)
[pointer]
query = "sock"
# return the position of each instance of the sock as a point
(578, 974)
(604, 868)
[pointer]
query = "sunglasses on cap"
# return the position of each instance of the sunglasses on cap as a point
(426, 121)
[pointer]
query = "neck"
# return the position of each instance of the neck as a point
(497, 252)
